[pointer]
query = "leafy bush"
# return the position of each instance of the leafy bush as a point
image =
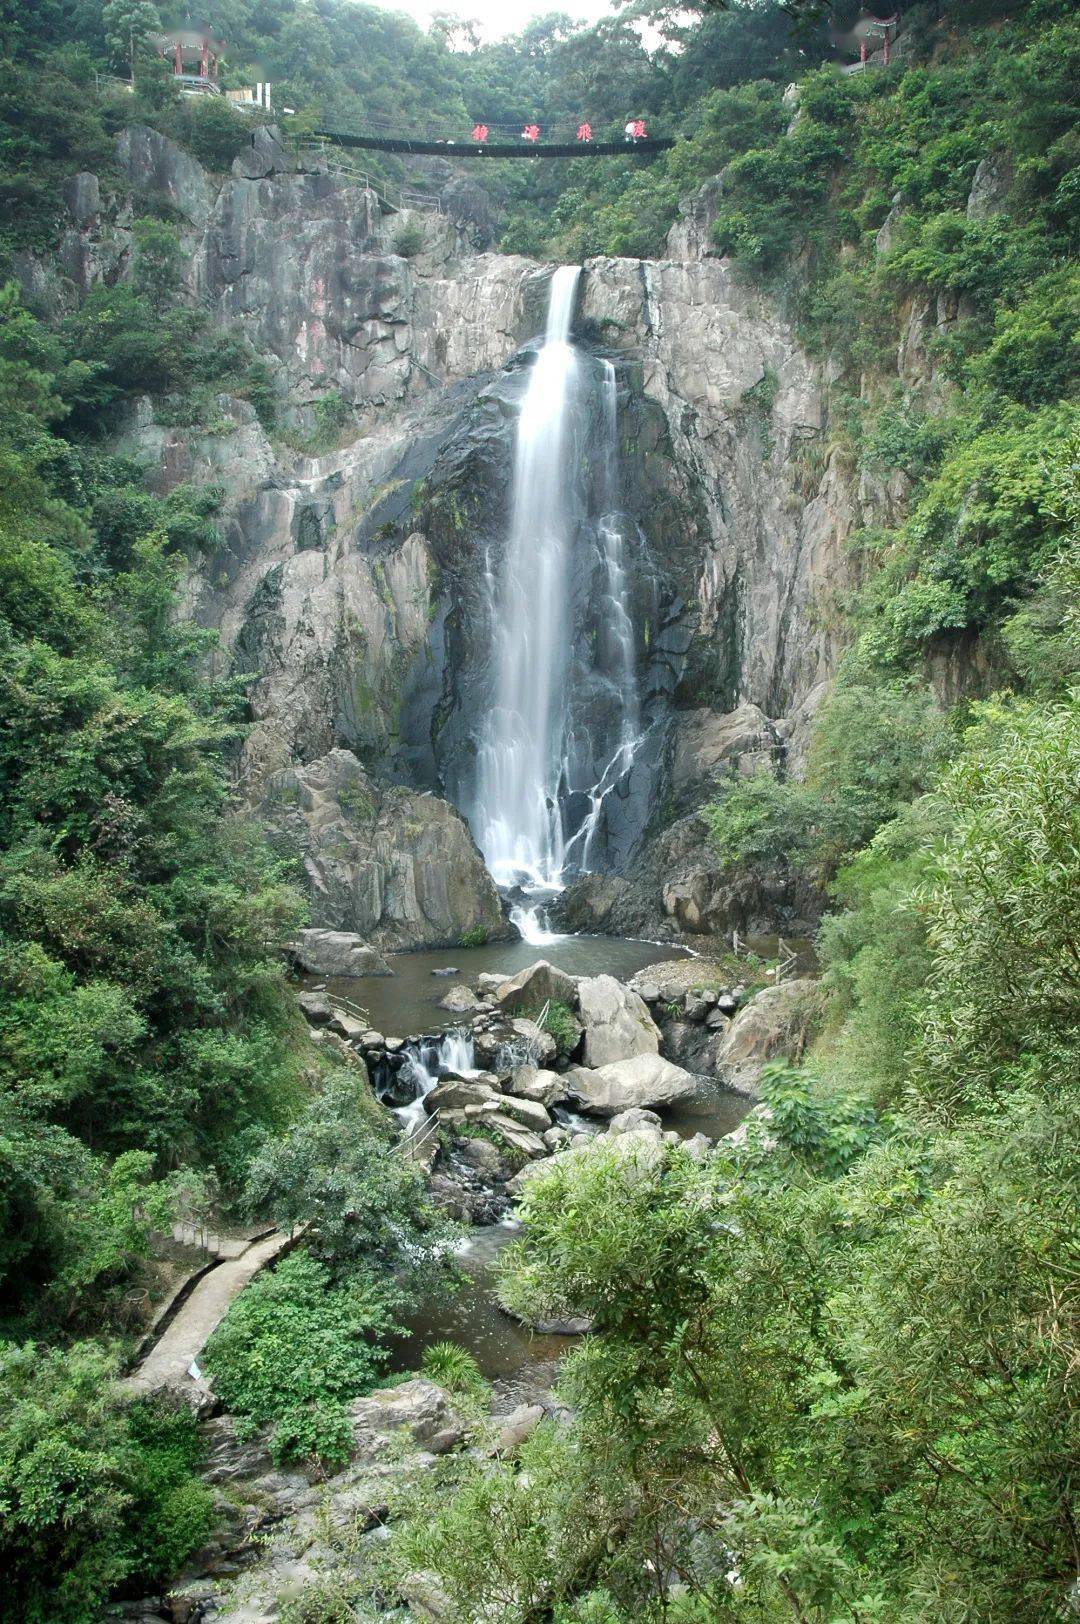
(760, 821)
(293, 1348)
(210, 129)
(453, 1367)
(409, 241)
(171, 1512)
(143, 1009)
(475, 936)
(826, 1132)
(334, 1169)
(873, 749)
(91, 1493)
(1004, 911)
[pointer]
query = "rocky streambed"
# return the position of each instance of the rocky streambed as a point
(523, 1067)
(537, 1062)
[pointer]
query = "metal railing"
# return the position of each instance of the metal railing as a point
(346, 1006)
(786, 957)
(410, 1146)
(392, 198)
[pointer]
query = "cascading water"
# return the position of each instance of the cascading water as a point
(533, 925)
(516, 819)
(615, 654)
(424, 1064)
(564, 721)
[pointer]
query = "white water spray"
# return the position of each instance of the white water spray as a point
(532, 923)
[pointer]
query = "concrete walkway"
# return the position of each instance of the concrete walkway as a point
(167, 1364)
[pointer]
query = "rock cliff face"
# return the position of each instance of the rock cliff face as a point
(348, 584)
(398, 868)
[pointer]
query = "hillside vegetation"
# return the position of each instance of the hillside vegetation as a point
(837, 1366)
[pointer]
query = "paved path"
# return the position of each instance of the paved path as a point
(167, 1363)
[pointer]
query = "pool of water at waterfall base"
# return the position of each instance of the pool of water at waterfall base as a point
(407, 1002)
(471, 1316)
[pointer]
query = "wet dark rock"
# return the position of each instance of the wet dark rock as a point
(692, 1045)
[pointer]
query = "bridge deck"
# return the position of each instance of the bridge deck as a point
(498, 149)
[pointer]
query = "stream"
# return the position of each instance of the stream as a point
(407, 1004)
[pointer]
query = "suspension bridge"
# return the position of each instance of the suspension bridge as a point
(415, 146)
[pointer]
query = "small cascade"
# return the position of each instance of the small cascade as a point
(423, 1064)
(532, 922)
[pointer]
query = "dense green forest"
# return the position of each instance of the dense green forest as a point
(835, 1375)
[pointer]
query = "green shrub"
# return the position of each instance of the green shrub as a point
(171, 1512)
(335, 1170)
(409, 241)
(294, 1348)
(453, 1367)
(475, 936)
(760, 821)
(874, 748)
(827, 1132)
(92, 1494)
(560, 1021)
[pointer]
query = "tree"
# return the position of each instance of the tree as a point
(128, 27)
(1004, 905)
(63, 1493)
(364, 1204)
(294, 1348)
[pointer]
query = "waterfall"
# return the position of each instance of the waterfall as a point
(517, 822)
(615, 653)
(425, 1062)
(533, 925)
(563, 719)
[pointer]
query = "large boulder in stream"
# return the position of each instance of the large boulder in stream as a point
(617, 1024)
(538, 984)
(774, 1025)
(338, 953)
(397, 867)
(645, 1080)
(455, 1094)
(534, 1083)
